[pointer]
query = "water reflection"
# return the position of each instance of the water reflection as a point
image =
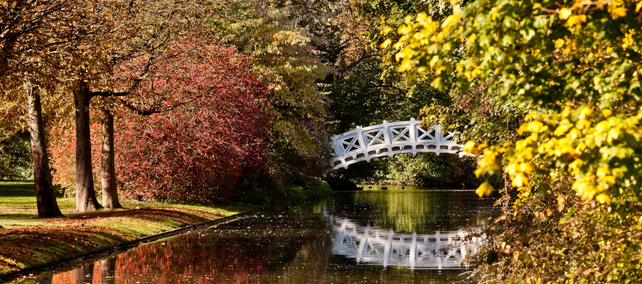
(305, 245)
(407, 211)
(439, 250)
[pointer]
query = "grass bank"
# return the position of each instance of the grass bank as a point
(28, 242)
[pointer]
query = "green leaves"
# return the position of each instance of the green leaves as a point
(576, 67)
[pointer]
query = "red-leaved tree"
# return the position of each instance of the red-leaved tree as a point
(194, 123)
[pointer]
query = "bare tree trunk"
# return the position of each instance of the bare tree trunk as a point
(85, 192)
(107, 167)
(45, 197)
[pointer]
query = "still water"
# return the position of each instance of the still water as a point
(344, 239)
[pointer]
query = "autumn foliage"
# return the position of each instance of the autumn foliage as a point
(190, 128)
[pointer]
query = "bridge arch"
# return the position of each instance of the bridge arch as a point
(389, 139)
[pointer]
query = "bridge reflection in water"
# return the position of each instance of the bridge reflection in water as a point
(441, 250)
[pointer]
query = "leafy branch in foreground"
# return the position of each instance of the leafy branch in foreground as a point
(574, 168)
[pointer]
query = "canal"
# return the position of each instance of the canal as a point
(391, 235)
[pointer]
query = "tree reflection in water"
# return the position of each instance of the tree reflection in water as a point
(279, 248)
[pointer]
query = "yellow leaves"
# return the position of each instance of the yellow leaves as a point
(405, 65)
(571, 20)
(386, 43)
(526, 168)
(450, 21)
(564, 13)
(520, 180)
(516, 168)
(488, 162)
(616, 9)
(628, 38)
(434, 61)
(576, 165)
(437, 83)
(618, 12)
(563, 127)
(537, 6)
(603, 198)
(576, 21)
(470, 148)
(585, 144)
(559, 42)
(484, 189)
(586, 188)
(585, 111)
(404, 53)
(511, 168)
(614, 133)
(472, 38)
(386, 31)
(533, 127)
(563, 148)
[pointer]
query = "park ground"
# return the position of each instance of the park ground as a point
(27, 242)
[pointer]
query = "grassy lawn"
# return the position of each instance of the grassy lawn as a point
(27, 241)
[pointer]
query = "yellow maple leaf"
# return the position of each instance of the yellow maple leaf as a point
(484, 189)
(520, 180)
(559, 42)
(386, 43)
(576, 20)
(565, 13)
(603, 198)
(618, 12)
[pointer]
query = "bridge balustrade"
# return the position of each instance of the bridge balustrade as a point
(389, 139)
(441, 250)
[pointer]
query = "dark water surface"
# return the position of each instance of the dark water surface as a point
(341, 240)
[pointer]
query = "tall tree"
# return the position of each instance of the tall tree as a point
(277, 35)
(189, 129)
(29, 33)
(45, 197)
(85, 192)
(107, 165)
(117, 32)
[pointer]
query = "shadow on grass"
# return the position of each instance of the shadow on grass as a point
(147, 214)
(27, 215)
(51, 244)
(17, 189)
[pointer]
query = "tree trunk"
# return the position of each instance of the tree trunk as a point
(85, 192)
(107, 167)
(45, 197)
(44, 278)
(108, 270)
(85, 274)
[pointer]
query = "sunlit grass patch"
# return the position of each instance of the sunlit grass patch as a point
(27, 241)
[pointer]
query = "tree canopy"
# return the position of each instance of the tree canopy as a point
(574, 163)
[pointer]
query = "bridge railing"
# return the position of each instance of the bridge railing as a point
(440, 250)
(389, 139)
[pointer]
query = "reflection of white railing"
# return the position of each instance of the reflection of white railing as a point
(389, 139)
(440, 250)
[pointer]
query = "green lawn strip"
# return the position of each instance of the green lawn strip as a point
(28, 242)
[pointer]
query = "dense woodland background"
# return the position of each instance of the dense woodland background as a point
(212, 101)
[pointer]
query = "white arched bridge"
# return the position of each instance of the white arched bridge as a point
(369, 245)
(389, 139)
